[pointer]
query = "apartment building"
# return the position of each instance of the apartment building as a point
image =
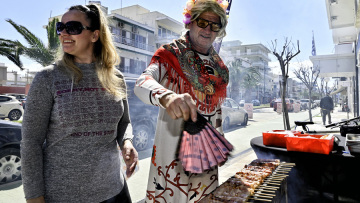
(256, 55)
(138, 32)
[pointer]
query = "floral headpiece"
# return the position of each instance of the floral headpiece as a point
(191, 3)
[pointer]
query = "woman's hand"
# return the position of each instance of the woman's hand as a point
(36, 200)
(130, 156)
(179, 106)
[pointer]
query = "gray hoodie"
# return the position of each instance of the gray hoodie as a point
(69, 144)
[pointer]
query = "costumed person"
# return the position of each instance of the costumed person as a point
(185, 77)
(326, 105)
(76, 117)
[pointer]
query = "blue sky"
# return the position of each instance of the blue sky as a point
(250, 21)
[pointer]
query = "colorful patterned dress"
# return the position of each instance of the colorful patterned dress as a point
(176, 68)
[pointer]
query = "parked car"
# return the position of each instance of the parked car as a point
(256, 102)
(304, 104)
(272, 103)
(242, 103)
(10, 159)
(289, 104)
(143, 118)
(10, 108)
(233, 114)
(19, 97)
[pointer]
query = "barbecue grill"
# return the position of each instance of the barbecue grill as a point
(273, 188)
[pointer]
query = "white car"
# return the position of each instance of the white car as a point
(233, 114)
(242, 103)
(10, 108)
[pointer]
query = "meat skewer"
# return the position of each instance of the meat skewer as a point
(258, 181)
(266, 200)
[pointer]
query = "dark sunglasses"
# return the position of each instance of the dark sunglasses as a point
(202, 23)
(71, 27)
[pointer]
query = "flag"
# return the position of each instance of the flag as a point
(313, 51)
(228, 8)
(218, 41)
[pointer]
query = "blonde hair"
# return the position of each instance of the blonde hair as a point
(202, 6)
(104, 52)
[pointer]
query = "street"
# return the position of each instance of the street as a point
(263, 119)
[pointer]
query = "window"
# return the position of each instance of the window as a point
(163, 32)
(4, 99)
(122, 64)
(127, 65)
(159, 31)
(132, 66)
(233, 104)
(227, 104)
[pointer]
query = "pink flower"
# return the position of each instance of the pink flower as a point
(187, 20)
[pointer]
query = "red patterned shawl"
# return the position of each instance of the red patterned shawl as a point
(186, 69)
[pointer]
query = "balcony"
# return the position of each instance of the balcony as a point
(261, 54)
(133, 43)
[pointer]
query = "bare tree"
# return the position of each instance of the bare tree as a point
(309, 77)
(284, 57)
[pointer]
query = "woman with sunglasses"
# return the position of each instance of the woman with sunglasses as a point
(185, 77)
(76, 117)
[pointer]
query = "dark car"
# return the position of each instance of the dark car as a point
(256, 102)
(143, 118)
(10, 159)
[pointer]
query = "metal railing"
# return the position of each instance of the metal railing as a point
(133, 43)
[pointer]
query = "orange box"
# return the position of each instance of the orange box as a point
(277, 138)
(302, 143)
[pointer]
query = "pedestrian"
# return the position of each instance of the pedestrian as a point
(326, 105)
(76, 117)
(185, 77)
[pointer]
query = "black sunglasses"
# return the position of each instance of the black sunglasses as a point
(202, 23)
(71, 27)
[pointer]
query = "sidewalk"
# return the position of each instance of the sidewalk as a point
(336, 116)
(237, 163)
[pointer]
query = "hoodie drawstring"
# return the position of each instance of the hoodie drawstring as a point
(72, 83)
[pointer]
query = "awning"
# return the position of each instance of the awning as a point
(341, 88)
